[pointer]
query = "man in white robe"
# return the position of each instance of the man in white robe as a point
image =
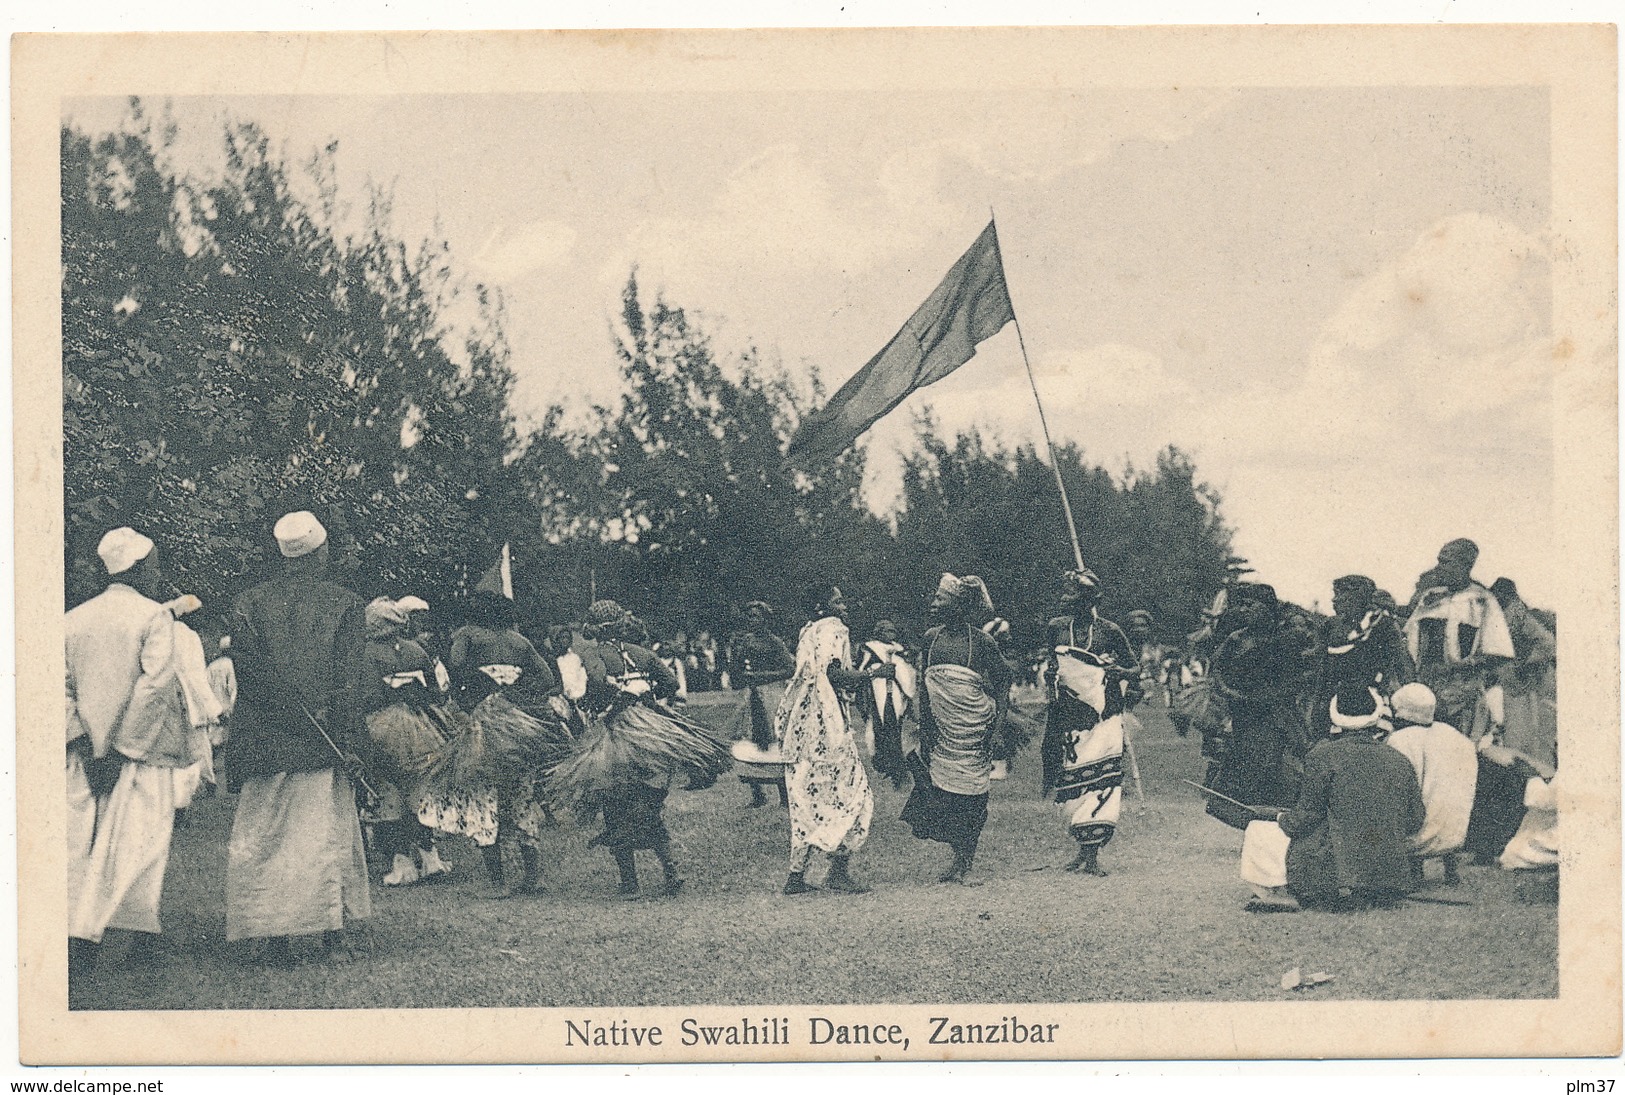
(127, 734)
(1446, 766)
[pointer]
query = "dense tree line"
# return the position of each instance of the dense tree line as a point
(227, 357)
(229, 354)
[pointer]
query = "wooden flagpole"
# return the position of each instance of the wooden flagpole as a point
(1043, 421)
(1060, 485)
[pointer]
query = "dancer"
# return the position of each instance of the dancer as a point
(966, 694)
(1093, 677)
(398, 689)
(830, 800)
(484, 781)
(759, 660)
(1255, 670)
(624, 765)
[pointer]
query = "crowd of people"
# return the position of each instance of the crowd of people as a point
(1460, 682)
(1350, 752)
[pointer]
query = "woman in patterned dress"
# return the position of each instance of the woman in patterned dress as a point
(830, 799)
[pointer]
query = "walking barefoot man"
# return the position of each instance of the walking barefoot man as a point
(1092, 678)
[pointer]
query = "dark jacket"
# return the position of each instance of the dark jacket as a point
(293, 639)
(1359, 806)
(388, 656)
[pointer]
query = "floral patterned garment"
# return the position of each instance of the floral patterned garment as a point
(477, 813)
(830, 800)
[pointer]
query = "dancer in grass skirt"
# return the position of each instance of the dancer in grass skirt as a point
(634, 747)
(398, 687)
(507, 731)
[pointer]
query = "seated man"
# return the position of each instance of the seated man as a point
(1447, 766)
(1347, 842)
(1534, 847)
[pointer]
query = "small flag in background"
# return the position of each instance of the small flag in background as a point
(498, 577)
(970, 306)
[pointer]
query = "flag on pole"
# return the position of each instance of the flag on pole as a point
(970, 306)
(498, 577)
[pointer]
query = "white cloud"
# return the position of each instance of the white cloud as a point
(507, 256)
(1451, 337)
(1065, 130)
(1425, 411)
(793, 212)
(1106, 377)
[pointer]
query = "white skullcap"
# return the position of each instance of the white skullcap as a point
(122, 549)
(1415, 703)
(413, 604)
(299, 534)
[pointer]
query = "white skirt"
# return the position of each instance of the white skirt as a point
(123, 878)
(295, 863)
(1263, 854)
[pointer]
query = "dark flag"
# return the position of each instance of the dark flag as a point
(970, 306)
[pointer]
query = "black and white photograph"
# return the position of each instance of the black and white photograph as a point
(809, 545)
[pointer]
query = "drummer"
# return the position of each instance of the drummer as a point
(761, 662)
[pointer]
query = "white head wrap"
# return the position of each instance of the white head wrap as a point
(1416, 703)
(1365, 721)
(122, 549)
(299, 534)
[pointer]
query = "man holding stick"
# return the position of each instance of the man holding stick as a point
(1093, 678)
(295, 863)
(1347, 842)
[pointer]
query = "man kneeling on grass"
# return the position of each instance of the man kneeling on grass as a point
(1347, 842)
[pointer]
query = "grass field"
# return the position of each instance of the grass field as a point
(1167, 924)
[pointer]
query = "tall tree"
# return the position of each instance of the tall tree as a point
(228, 355)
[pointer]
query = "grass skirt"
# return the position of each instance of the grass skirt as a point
(483, 782)
(404, 743)
(635, 745)
(496, 743)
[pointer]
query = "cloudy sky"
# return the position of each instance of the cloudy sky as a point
(1338, 300)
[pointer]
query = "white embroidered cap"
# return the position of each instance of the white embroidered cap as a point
(122, 549)
(299, 534)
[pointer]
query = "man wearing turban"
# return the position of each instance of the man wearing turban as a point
(295, 864)
(127, 735)
(1347, 842)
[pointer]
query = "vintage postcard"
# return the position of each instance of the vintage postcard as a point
(903, 545)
